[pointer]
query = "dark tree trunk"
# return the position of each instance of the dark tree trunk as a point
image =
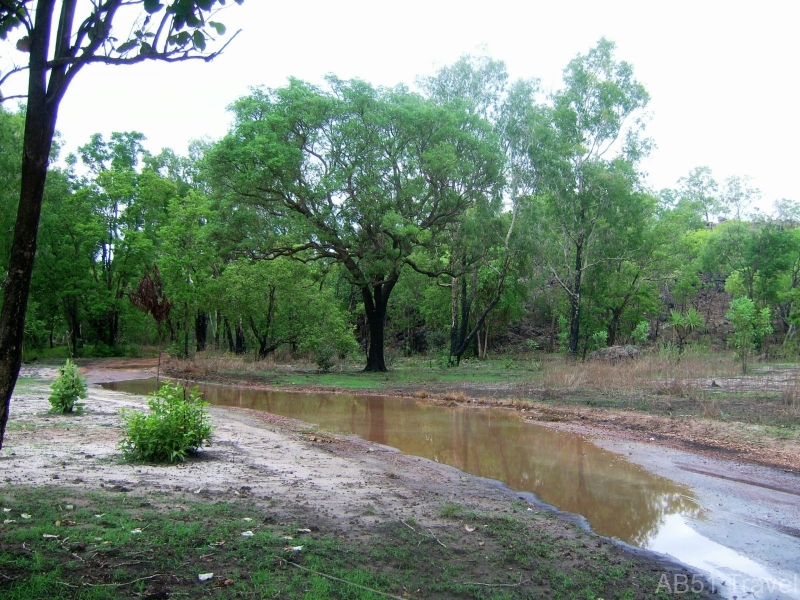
(375, 302)
(229, 336)
(241, 345)
(217, 329)
(201, 330)
(40, 121)
(375, 359)
(186, 334)
(113, 328)
(613, 326)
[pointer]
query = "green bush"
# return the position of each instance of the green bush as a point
(176, 426)
(67, 389)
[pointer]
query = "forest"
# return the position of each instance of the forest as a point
(463, 216)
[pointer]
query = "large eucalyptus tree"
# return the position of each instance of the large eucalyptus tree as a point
(357, 175)
(584, 167)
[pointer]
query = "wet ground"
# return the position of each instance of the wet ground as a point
(740, 523)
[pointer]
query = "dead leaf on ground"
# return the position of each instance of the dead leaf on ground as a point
(65, 523)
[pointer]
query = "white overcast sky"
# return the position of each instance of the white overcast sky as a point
(723, 76)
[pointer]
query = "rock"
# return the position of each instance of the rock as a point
(614, 354)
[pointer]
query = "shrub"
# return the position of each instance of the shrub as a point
(67, 389)
(641, 333)
(176, 426)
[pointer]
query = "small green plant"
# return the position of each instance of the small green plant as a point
(599, 339)
(67, 389)
(684, 324)
(641, 333)
(176, 426)
(324, 359)
(450, 510)
(563, 334)
(750, 325)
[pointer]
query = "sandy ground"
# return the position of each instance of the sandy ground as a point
(754, 510)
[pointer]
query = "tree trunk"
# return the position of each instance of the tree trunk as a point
(40, 121)
(201, 330)
(575, 304)
(229, 336)
(375, 302)
(113, 328)
(613, 326)
(241, 345)
(186, 334)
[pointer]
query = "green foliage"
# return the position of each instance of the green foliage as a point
(598, 339)
(176, 426)
(641, 333)
(67, 389)
(563, 334)
(750, 326)
(684, 324)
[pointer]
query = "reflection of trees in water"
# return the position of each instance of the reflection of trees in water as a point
(618, 498)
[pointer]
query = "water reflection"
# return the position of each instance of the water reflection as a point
(619, 499)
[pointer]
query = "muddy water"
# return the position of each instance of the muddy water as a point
(618, 498)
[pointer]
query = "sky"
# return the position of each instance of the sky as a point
(722, 76)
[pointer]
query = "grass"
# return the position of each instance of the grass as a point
(115, 545)
(410, 372)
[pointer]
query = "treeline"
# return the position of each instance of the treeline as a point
(343, 218)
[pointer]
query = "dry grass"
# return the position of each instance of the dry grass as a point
(456, 396)
(790, 395)
(208, 364)
(663, 373)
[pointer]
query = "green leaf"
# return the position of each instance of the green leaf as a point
(218, 27)
(152, 6)
(199, 40)
(129, 45)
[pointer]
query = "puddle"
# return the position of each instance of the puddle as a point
(618, 499)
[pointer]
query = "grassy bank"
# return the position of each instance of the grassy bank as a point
(58, 542)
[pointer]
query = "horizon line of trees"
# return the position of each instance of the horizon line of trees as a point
(345, 218)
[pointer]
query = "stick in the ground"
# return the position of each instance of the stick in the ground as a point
(437, 539)
(344, 581)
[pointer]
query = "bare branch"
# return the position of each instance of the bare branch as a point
(14, 97)
(168, 57)
(11, 72)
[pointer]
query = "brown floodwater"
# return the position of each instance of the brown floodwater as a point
(619, 499)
